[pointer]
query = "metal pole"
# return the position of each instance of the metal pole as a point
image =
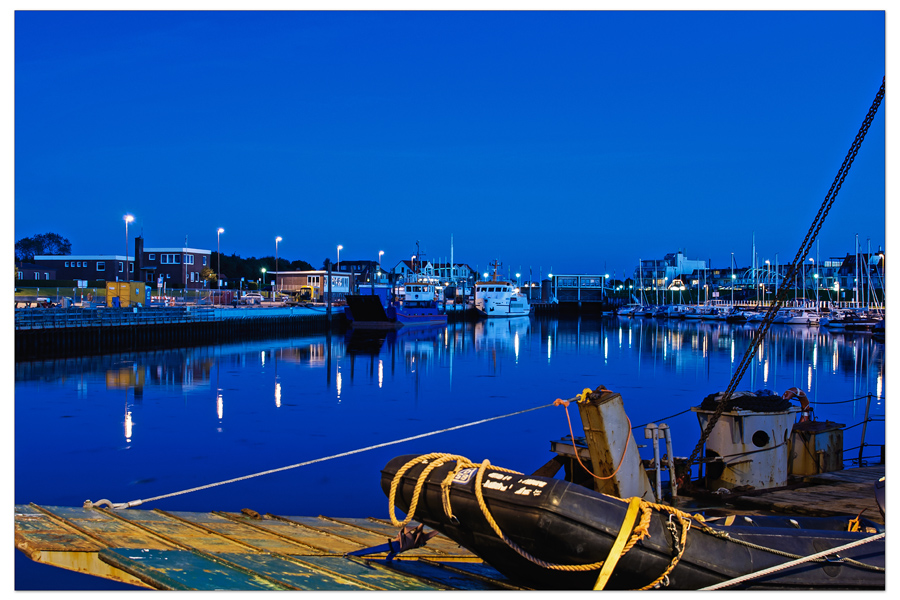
(862, 441)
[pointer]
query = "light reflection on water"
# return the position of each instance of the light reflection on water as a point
(133, 426)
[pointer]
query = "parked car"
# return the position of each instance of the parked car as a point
(252, 298)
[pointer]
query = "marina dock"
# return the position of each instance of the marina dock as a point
(241, 551)
(247, 551)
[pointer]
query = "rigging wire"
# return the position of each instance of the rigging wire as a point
(792, 271)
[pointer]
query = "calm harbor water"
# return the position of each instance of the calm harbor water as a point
(139, 425)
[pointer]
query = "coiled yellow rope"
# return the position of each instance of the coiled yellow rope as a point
(438, 458)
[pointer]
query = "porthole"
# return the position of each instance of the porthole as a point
(760, 439)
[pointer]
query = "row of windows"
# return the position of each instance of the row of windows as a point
(166, 259)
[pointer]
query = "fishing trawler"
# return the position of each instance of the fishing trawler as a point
(496, 298)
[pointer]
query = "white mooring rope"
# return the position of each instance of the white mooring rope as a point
(793, 563)
(113, 505)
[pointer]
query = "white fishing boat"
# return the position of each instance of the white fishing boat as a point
(678, 311)
(628, 310)
(797, 316)
(497, 298)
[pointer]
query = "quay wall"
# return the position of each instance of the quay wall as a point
(42, 334)
(59, 342)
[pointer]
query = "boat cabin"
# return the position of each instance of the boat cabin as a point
(418, 295)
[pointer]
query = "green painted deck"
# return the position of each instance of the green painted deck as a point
(236, 551)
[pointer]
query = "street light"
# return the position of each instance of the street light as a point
(339, 248)
(275, 281)
(128, 219)
(219, 256)
(263, 270)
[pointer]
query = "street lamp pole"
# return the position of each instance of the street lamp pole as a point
(275, 281)
(263, 271)
(219, 257)
(128, 219)
(339, 248)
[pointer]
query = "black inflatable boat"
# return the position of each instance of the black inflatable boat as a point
(558, 523)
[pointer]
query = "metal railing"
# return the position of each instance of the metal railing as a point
(53, 318)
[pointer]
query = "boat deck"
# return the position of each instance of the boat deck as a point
(238, 551)
(845, 492)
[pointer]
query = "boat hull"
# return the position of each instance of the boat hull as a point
(564, 523)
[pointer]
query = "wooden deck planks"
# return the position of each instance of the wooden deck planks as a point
(230, 551)
(844, 492)
(234, 551)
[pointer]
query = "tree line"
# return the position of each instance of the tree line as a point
(232, 267)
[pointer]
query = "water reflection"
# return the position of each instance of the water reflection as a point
(647, 355)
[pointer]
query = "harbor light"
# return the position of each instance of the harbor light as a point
(128, 219)
(219, 256)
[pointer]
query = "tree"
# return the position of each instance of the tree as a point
(42, 243)
(209, 275)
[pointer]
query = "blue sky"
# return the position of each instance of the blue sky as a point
(577, 141)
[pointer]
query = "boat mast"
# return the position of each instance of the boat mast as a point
(732, 280)
(641, 281)
(856, 274)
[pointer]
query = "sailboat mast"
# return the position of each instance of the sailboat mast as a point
(856, 274)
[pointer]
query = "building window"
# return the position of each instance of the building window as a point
(37, 275)
(188, 259)
(167, 276)
(204, 261)
(121, 267)
(131, 267)
(46, 276)
(20, 275)
(66, 263)
(177, 258)
(151, 257)
(101, 266)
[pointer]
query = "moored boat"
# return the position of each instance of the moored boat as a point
(628, 310)
(555, 535)
(496, 298)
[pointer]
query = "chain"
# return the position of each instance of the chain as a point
(792, 272)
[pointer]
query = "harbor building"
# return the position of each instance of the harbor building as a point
(439, 272)
(342, 282)
(661, 273)
(177, 267)
(33, 272)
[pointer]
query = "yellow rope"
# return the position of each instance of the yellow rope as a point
(440, 458)
(685, 520)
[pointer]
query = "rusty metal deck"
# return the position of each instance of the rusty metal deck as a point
(236, 551)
